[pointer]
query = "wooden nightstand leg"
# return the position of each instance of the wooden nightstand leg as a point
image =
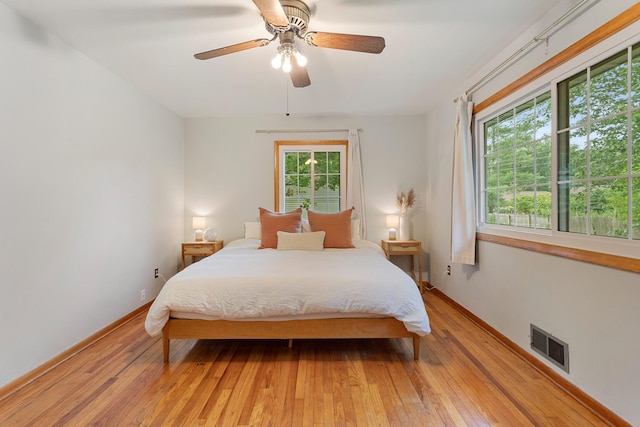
(420, 273)
(413, 273)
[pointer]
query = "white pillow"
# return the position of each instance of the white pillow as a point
(312, 241)
(252, 230)
(355, 229)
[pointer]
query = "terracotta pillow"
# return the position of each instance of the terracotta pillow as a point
(272, 222)
(337, 227)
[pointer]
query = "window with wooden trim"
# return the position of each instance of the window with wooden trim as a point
(595, 146)
(311, 174)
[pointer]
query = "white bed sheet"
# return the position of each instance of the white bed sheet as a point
(241, 282)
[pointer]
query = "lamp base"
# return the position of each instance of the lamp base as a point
(198, 235)
(392, 234)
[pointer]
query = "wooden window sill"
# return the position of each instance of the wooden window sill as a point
(606, 260)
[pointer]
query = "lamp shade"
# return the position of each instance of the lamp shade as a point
(392, 221)
(199, 222)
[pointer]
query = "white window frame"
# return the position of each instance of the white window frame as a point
(282, 147)
(589, 123)
(481, 165)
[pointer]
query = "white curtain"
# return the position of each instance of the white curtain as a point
(355, 193)
(463, 204)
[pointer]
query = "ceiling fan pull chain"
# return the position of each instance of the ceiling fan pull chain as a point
(287, 93)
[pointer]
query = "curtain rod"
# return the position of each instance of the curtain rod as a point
(537, 39)
(301, 130)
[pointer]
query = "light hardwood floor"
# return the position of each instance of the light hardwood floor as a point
(464, 378)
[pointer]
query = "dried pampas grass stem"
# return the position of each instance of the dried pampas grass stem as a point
(405, 202)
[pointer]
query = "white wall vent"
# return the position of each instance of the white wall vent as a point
(553, 349)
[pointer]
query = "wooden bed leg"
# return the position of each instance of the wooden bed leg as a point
(290, 342)
(165, 343)
(416, 347)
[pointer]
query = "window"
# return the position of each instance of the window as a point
(599, 148)
(517, 165)
(311, 174)
(594, 145)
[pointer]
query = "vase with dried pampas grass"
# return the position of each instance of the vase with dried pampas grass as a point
(405, 202)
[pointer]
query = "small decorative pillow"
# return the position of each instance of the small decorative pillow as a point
(252, 230)
(355, 229)
(313, 241)
(272, 222)
(336, 225)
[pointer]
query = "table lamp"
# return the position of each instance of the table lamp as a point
(198, 223)
(392, 225)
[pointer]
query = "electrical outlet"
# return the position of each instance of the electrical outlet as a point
(155, 273)
(448, 270)
(143, 295)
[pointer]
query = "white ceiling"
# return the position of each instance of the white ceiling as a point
(432, 46)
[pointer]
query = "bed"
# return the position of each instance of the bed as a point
(243, 292)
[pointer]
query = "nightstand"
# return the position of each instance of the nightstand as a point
(405, 247)
(199, 249)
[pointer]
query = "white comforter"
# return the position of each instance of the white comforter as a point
(241, 282)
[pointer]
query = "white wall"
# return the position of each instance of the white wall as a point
(595, 309)
(229, 167)
(91, 185)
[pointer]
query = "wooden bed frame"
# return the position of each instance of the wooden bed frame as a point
(385, 327)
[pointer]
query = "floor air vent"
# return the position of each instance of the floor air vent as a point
(553, 349)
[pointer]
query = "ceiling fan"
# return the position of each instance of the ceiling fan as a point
(286, 20)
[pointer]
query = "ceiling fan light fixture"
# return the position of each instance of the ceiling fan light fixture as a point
(283, 57)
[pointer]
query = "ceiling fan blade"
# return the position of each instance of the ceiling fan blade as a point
(232, 49)
(367, 44)
(299, 75)
(273, 12)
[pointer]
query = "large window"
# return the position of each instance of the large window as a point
(599, 148)
(311, 175)
(595, 145)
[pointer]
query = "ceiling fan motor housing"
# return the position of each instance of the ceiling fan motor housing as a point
(298, 14)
